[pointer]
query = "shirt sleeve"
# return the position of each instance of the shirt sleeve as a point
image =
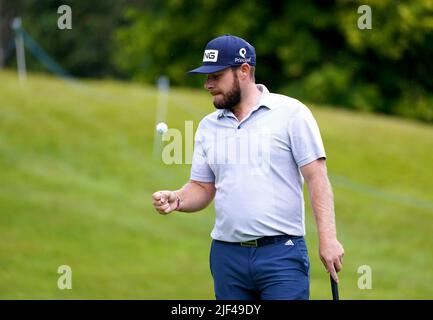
(304, 134)
(200, 169)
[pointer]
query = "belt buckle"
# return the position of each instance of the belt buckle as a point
(251, 243)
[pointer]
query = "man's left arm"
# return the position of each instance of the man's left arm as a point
(322, 201)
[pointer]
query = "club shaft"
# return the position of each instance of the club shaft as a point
(334, 288)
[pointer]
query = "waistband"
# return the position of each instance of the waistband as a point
(260, 242)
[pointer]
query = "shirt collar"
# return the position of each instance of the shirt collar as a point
(263, 102)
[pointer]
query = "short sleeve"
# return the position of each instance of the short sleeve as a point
(304, 134)
(200, 169)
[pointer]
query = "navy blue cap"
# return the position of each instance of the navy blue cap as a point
(224, 52)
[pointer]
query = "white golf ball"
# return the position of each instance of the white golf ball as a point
(161, 128)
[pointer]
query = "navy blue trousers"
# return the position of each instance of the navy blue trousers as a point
(275, 271)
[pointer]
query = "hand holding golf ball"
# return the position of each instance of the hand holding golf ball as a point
(164, 201)
(161, 127)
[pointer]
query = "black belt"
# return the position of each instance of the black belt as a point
(262, 241)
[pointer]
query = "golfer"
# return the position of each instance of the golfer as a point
(253, 155)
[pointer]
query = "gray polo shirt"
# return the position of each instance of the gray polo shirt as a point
(255, 165)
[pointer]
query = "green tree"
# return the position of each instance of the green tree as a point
(83, 51)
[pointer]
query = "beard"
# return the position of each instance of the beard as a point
(231, 98)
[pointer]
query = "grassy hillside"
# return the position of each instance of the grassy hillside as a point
(77, 173)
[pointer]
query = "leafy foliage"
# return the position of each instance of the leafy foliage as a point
(312, 50)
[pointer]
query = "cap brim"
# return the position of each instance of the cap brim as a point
(208, 69)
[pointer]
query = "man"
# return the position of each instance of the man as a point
(258, 249)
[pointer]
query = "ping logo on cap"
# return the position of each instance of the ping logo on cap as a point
(210, 56)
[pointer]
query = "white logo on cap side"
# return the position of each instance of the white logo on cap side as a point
(242, 52)
(210, 56)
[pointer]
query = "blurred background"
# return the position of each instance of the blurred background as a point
(78, 108)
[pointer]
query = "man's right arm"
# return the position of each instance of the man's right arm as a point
(194, 196)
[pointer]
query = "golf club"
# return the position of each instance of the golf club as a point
(334, 289)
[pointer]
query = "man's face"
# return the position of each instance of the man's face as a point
(225, 89)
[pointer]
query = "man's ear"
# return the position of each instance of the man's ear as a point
(244, 71)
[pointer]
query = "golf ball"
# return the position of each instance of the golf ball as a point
(161, 127)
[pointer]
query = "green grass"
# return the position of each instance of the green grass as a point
(77, 173)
